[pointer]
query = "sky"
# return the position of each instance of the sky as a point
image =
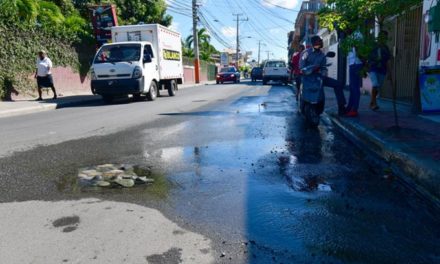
(268, 21)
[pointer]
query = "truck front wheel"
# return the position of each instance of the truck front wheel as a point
(152, 93)
(172, 88)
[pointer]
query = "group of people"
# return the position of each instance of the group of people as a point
(376, 64)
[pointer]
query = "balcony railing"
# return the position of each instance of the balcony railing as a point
(311, 6)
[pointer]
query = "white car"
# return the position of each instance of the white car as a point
(275, 70)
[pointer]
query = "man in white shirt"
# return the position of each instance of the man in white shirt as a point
(43, 74)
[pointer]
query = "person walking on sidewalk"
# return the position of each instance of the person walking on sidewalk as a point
(355, 83)
(296, 71)
(43, 74)
(378, 63)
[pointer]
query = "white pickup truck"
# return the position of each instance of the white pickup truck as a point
(142, 60)
(275, 70)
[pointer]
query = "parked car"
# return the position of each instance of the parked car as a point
(228, 74)
(256, 74)
(275, 70)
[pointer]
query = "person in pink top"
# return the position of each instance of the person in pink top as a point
(296, 57)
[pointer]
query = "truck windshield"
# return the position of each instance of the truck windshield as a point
(119, 53)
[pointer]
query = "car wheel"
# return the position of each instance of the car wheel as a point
(108, 99)
(172, 88)
(217, 82)
(152, 93)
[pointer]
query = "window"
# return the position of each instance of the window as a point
(148, 50)
(230, 69)
(118, 53)
(276, 64)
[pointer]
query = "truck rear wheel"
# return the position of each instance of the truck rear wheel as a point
(172, 88)
(152, 93)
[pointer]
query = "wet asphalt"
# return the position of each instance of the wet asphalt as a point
(246, 172)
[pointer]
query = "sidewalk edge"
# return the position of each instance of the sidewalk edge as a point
(45, 107)
(411, 170)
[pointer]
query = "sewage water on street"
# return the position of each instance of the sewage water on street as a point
(250, 175)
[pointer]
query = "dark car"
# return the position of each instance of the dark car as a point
(228, 74)
(257, 74)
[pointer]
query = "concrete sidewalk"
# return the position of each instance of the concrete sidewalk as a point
(412, 150)
(28, 106)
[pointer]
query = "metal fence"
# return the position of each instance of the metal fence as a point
(404, 42)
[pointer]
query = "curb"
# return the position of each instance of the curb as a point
(59, 105)
(45, 107)
(414, 172)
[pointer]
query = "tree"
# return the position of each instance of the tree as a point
(206, 51)
(131, 11)
(203, 37)
(205, 47)
(146, 11)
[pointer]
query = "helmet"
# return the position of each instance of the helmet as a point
(316, 40)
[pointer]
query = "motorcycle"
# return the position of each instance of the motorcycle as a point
(312, 98)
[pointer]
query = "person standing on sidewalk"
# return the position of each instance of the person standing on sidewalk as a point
(355, 83)
(43, 74)
(296, 71)
(378, 63)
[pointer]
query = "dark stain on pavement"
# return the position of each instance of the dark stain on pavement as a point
(66, 221)
(70, 223)
(172, 256)
(69, 229)
(178, 232)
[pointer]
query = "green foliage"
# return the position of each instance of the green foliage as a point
(135, 11)
(359, 16)
(205, 47)
(49, 14)
(349, 15)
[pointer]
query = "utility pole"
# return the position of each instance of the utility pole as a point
(196, 43)
(268, 54)
(259, 49)
(238, 37)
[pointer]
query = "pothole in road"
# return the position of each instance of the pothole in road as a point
(116, 178)
(115, 175)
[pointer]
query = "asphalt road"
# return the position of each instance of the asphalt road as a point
(239, 179)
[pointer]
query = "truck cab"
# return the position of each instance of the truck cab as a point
(125, 68)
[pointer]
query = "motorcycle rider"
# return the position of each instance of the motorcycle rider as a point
(315, 56)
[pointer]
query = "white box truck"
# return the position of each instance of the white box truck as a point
(141, 60)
